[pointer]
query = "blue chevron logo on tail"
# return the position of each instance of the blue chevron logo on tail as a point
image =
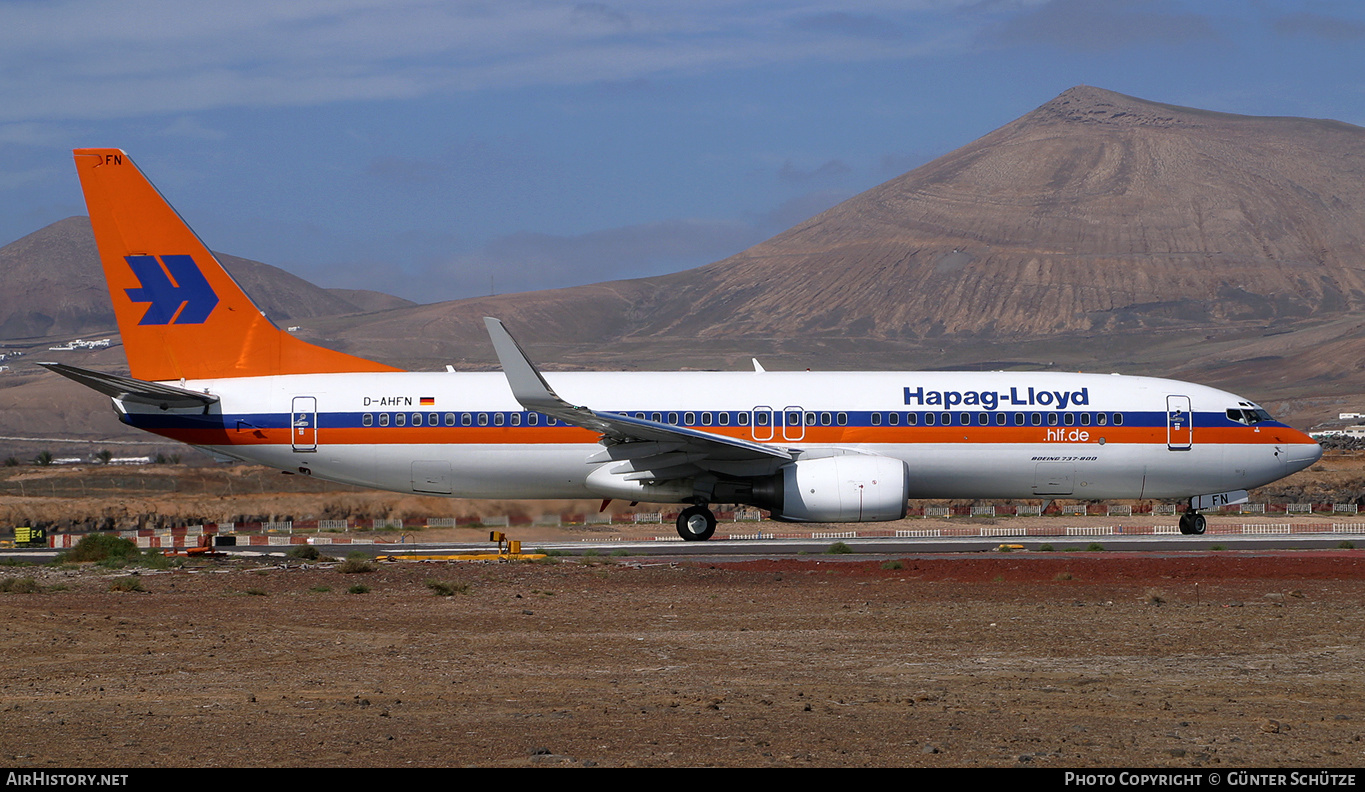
(188, 289)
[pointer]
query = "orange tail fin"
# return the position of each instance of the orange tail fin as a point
(181, 315)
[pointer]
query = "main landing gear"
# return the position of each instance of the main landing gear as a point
(696, 523)
(1192, 523)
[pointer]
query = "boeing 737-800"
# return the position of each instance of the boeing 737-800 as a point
(209, 369)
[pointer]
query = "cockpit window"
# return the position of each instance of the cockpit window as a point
(1248, 417)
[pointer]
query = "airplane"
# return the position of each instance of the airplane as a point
(209, 369)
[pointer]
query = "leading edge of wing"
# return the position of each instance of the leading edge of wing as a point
(534, 393)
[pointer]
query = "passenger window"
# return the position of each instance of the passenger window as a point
(947, 419)
(1118, 419)
(1036, 419)
(743, 419)
(497, 419)
(466, 420)
(706, 419)
(483, 419)
(876, 419)
(433, 420)
(367, 420)
(1069, 419)
(416, 419)
(999, 419)
(532, 419)
(761, 419)
(1101, 419)
(1085, 419)
(657, 417)
(893, 419)
(928, 419)
(689, 419)
(450, 419)
(842, 418)
(383, 419)
(400, 418)
(723, 418)
(911, 419)
(1018, 419)
(826, 419)
(516, 419)
(810, 419)
(1052, 419)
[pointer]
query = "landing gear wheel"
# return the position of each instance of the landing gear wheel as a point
(1193, 524)
(696, 524)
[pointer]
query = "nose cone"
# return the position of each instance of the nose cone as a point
(1302, 451)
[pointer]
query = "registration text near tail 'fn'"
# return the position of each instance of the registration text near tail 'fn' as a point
(208, 368)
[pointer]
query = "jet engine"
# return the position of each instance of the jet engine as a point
(843, 488)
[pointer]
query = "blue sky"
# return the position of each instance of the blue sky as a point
(439, 149)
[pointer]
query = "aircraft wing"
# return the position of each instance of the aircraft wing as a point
(686, 446)
(133, 390)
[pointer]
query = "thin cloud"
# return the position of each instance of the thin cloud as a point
(1320, 26)
(832, 170)
(530, 260)
(859, 25)
(1100, 25)
(108, 59)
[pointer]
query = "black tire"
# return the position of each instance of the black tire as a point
(1193, 524)
(696, 524)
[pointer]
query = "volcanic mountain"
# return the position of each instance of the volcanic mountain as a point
(1099, 231)
(1095, 212)
(53, 286)
(1098, 221)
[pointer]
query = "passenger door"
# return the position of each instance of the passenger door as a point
(303, 423)
(1179, 423)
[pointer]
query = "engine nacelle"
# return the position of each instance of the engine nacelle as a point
(846, 488)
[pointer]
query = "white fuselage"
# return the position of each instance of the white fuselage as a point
(960, 434)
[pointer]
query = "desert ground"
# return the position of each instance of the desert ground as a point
(1200, 659)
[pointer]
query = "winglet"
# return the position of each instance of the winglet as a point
(534, 393)
(530, 388)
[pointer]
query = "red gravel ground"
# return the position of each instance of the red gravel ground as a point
(1042, 659)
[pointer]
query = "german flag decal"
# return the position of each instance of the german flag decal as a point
(428, 401)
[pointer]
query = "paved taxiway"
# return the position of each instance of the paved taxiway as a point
(760, 548)
(868, 546)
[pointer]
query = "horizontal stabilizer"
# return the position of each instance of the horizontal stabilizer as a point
(127, 389)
